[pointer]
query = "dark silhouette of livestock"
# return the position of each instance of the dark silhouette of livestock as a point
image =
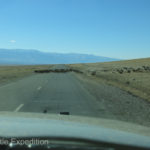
(57, 71)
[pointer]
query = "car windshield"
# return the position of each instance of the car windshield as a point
(76, 58)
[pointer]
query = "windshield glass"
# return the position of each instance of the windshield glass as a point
(84, 58)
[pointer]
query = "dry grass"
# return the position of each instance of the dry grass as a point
(12, 73)
(131, 75)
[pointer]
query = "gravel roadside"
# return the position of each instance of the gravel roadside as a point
(116, 103)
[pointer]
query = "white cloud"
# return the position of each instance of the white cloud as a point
(12, 41)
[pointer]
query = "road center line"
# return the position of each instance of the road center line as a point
(19, 107)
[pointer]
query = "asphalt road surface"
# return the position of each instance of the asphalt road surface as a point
(59, 66)
(66, 92)
(53, 92)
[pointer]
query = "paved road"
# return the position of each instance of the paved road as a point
(59, 66)
(54, 92)
(73, 93)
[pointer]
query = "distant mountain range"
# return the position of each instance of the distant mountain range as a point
(21, 56)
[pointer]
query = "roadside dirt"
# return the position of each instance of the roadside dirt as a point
(116, 103)
(132, 76)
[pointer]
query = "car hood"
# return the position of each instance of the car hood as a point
(13, 124)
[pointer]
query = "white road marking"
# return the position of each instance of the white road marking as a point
(39, 88)
(19, 107)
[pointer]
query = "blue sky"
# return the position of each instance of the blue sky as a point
(112, 28)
